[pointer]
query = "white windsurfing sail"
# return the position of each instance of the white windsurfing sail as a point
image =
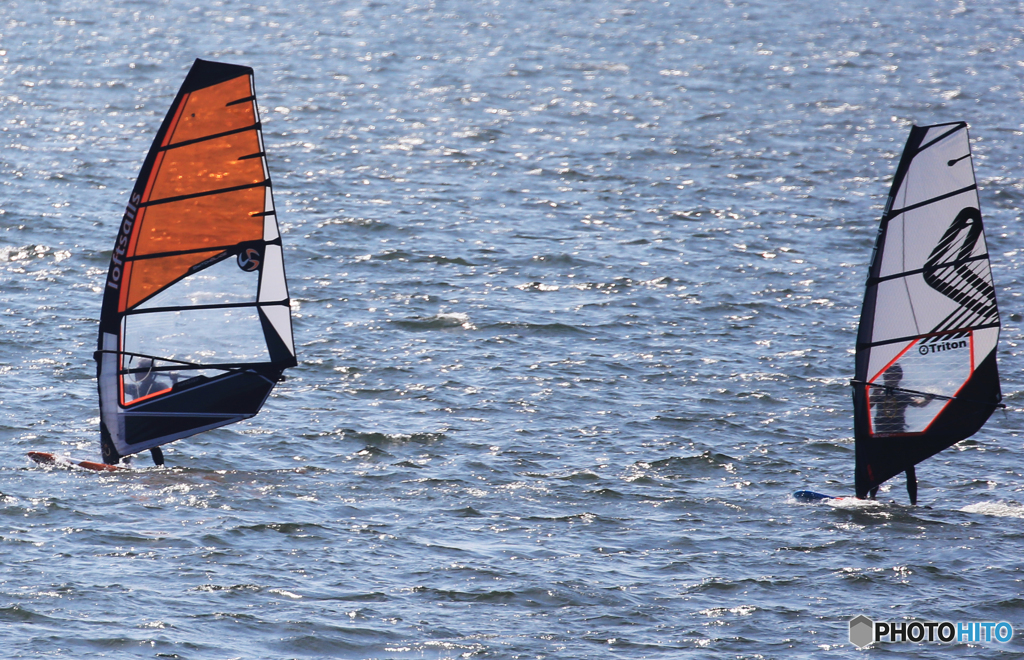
(926, 374)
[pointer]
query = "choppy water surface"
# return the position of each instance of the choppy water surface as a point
(576, 287)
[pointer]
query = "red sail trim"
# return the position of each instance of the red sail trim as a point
(151, 395)
(868, 388)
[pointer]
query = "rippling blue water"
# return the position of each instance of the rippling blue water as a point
(576, 286)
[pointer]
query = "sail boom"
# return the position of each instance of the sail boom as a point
(183, 308)
(213, 366)
(919, 393)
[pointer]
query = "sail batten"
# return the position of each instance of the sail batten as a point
(176, 253)
(187, 143)
(926, 373)
(218, 191)
(182, 308)
(185, 342)
(950, 264)
(927, 202)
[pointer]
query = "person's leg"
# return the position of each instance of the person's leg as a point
(912, 484)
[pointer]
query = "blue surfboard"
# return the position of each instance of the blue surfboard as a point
(811, 496)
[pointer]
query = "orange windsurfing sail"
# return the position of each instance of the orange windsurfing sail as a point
(195, 328)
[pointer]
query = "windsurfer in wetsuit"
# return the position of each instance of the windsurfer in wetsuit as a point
(890, 416)
(146, 384)
(145, 381)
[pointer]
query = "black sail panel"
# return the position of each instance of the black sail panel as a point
(215, 402)
(926, 374)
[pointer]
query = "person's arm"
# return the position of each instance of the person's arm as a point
(922, 400)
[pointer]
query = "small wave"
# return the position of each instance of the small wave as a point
(376, 438)
(19, 614)
(606, 493)
(437, 322)
(580, 476)
(494, 596)
(622, 283)
(854, 503)
(537, 286)
(393, 255)
(228, 588)
(998, 508)
(372, 452)
(539, 328)
(741, 610)
(302, 530)
(440, 259)
(571, 174)
(683, 463)
(557, 259)
(25, 253)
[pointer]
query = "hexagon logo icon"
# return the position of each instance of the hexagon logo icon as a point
(861, 631)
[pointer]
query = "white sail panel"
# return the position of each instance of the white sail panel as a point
(281, 318)
(222, 283)
(908, 307)
(231, 334)
(273, 287)
(946, 168)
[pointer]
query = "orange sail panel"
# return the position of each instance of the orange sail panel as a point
(208, 166)
(206, 188)
(228, 218)
(214, 110)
